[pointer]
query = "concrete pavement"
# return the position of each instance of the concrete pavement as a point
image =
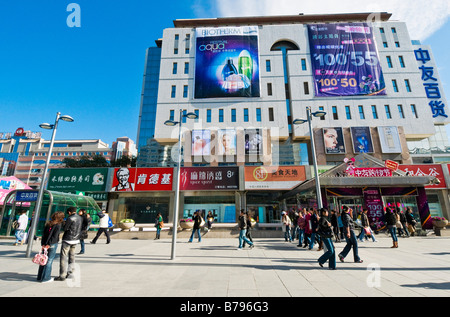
(215, 268)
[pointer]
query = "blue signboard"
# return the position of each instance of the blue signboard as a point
(345, 60)
(227, 62)
(27, 196)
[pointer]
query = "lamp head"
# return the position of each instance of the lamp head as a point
(170, 123)
(191, 115)
(47, 126)
(66, 118)
(299, 121)
(319, 113)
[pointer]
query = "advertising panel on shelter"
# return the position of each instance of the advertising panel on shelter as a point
(333, 139)
(389, 140)
(361, 140)
(274, 177)
(253, 141)
(78, 179)
(201, 142)
(227, 62)
(345, 60)
(8, 184)
(142, 179)
(226, 142)
(209, 178)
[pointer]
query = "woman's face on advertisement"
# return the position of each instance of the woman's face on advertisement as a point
(330, 138)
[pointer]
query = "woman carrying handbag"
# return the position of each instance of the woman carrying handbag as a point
(49, 241)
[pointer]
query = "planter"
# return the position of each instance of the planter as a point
(440, 224)
(186, 225)
(126, 225)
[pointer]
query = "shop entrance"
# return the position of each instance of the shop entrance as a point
(353, 202)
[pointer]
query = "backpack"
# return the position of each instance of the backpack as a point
(15, 224)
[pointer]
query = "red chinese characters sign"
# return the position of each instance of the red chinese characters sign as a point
(372, 172)
(142, 179)
(426, 170)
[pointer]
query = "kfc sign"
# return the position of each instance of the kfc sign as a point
(142, 179)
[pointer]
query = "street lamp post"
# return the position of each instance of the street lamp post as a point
(172, 123)
(37, 208)
(313, 149)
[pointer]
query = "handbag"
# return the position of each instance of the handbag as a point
(110, 223)
(367, 231)
(41, 258)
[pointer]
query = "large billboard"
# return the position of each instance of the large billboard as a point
(274, 177)
(227, 62)
(78, 179)
(389, 139)
(226, 142)
(333, 138)
(209, 178)
(201, 142)
(362, 140)
(142, 179)
(345, 60)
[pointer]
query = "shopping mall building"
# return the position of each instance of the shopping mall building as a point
(249, 79)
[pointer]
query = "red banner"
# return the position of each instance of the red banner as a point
(426, 170)
(142, 179)
(372, 172)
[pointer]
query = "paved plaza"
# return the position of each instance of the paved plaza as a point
(215, 268)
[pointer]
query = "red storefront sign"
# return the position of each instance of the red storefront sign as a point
(392, 165)
(209, 178)
(143, 179)
(372, 172)
(426, 170)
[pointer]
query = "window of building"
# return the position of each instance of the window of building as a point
(186, 68)
(184, 116)
(374, 112)
(414, 112)
(188, 43)
(172, 115)
(382, 30)
(401, 61)
(394, 85)
(400, 111)
(361, 112)
(303, 64)
(388, 111)
(175, 49)
(246, 119)
(185, 91)
(173, 92)
(220, 115)
(306, 87)
(335, 113)
(397, 44)
(197, 112)
(394, 30)
(389, 61)
(175, 68)
(208, 115)
(348, 113)
(408, 86)
(269, 89)
(321, 109)
(271, 116)
(268, 66)
(258, 114)
(385, 44)
(233, 115)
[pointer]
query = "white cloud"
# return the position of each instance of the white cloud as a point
(423, 18)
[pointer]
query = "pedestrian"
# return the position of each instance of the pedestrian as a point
(398, 224)
(294, 224)
(70, 239)
(209, 220)
(103, 227)
(340, 225)
(301, 227)
(335, 225)
(411, 221)
(49, 242)
(84, 229)
(366, 230)
(404, 222)
(242, 231)
(308, 227)
(326, 233)
(197, 222)
(314, 225)
(248, 232)
(350, 237)
(22, 224)
(286, 220)
(391, 222)
(158, 225)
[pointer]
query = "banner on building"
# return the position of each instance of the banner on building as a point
(227, 62)
(274, 177)
(142, 179)
(345, 60)
(253, 141)
(361, 140)
(209, 178)
(226, 142)
(333, 139)
(201, 142)
(389, 140)
(70, 180)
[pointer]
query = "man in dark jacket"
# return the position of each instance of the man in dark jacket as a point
(70, 239)
(349, 235)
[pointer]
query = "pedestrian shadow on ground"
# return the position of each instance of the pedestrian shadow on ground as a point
(443, 285)
(17, 277)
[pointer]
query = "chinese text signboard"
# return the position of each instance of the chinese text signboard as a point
(27, 195)
(372, 172)
(78, 179)
(209, 178)
(274, 177)
(430, 84)
(426, 170)
(345, 60)
(227, 62)
(374, 204)
(142, 179)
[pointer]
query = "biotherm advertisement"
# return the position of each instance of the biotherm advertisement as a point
(345, 60)
(227, 62)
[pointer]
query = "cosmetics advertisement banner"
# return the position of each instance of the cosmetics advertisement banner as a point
(345, 60)
(227, 62)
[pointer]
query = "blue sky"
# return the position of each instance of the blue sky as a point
(94, 72)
